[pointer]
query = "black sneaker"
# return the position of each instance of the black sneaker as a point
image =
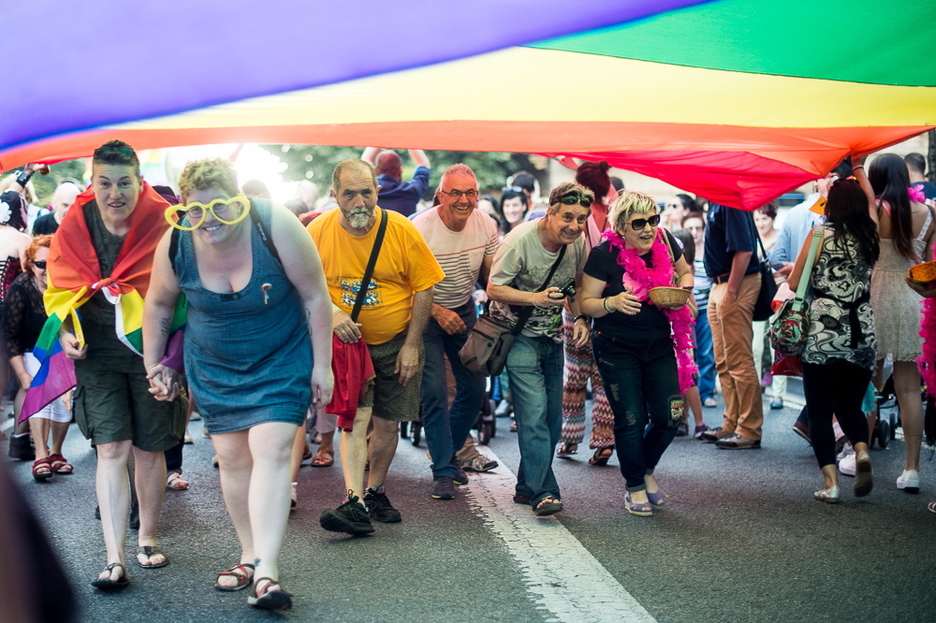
(443, 488)
(350, 517)
(380, 508)
(460, 478)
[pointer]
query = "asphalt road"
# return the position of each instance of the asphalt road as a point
(740, 539)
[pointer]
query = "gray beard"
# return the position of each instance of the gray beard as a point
(359, 220)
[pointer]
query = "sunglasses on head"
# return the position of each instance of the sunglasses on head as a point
(41, 264)
(572, 199)
(640, 223)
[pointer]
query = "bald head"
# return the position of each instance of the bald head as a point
(389, 163)
(63, 197)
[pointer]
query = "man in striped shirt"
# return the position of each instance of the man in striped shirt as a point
(463, 240)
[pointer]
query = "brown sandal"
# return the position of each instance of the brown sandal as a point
(323, 458)
(243, 572)
(601, 456)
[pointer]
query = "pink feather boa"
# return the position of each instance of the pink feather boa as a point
(639, 278)
(927, 359)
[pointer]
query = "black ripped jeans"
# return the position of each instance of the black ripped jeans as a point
(642, 384)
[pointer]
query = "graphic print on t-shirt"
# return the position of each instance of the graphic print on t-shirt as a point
(350, 289)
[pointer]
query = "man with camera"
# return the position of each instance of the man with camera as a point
(463, 240)
(537, 265)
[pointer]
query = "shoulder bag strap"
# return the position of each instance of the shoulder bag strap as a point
(527, 311)
(369, 271)
(817, 235)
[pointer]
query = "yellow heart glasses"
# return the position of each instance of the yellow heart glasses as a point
(227, 211)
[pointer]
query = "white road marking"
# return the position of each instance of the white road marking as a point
(568, 582)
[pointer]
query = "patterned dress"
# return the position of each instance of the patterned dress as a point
(841, 321)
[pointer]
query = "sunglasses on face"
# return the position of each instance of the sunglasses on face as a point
(41, 265)
(638, 224)
(227, 211)
(571, 200)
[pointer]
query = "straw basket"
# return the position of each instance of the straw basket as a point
(923, 273)
(669, 297)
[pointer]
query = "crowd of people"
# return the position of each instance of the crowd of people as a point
(356, 317)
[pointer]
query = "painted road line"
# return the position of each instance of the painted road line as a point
(567, 581)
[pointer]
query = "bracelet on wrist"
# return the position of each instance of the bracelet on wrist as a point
(23, 178)
(580, 317)
(860, 166)
(604, 303)
(533, 301)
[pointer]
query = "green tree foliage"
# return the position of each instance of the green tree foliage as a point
(316, 163)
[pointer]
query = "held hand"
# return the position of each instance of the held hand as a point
(346, 329)
(71, 347)
(323, 385)
(550, 297)
(164, 382)
(927, 290)
(42, 169)
(450, 322)
(25, 380)
(580, 333)
(785, 270)
(407, 363)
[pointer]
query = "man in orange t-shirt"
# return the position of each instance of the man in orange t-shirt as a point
(391, 322)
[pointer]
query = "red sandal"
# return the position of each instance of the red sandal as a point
(60, 465)
(243, 572)
(41, 469)
(271, 597)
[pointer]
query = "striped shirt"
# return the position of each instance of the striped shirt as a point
(459, 253)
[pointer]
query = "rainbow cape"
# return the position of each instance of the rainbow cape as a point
(75, 276)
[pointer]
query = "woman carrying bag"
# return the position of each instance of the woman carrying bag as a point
(839, 352)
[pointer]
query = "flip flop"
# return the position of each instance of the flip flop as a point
(149, 551)
(107, 584)
(567, 449)
(323, 458)
(601, 456)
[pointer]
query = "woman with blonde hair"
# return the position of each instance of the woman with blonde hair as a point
(643, 351)
(247, 268)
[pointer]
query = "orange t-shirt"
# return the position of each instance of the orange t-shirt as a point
(405, 265)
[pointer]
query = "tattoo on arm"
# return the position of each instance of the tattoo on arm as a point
(165, 323)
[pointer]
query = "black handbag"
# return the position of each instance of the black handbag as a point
(489, 341)
(763, 308)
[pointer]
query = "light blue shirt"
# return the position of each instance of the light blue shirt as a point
(796, 227)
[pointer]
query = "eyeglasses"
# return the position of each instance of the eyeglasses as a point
(456, 194)
(228, 211)
(571, 200)
(638, 224)
(41, 265)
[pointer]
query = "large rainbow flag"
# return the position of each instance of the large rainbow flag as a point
(736, 100)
